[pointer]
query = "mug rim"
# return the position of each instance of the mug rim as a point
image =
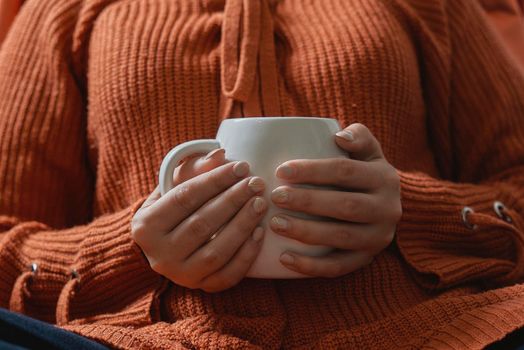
(280, 118)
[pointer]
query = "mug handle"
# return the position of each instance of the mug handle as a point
(171, 160)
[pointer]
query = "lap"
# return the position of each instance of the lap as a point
(22, 332)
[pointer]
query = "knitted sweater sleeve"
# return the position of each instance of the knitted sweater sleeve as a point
(445, 242)
(47, 236)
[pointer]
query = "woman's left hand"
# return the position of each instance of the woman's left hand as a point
(366, 209)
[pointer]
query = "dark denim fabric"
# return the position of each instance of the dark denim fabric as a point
(22, 332)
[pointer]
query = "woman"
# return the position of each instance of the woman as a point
(94, 93)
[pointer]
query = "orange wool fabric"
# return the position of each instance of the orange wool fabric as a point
(93, 93)
(507, 16)
(8, 11)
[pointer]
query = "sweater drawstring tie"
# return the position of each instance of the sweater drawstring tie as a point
(248, 60)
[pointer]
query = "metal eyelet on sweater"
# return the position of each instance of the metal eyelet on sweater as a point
(500, 210)
(465, 212)
(34, 268)
(74, 274)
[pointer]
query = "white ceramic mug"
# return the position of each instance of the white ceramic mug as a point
(265, 143)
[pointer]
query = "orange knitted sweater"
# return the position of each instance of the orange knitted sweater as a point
(93, 93)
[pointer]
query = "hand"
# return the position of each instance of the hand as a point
(203, 233)
(366, 209)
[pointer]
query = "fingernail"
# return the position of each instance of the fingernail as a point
(259, 205)
(256, 184)
(280, 222)
(285, 171)
(258, 234)
(241, 169)
(346, 134)
(215, 152)
(280, 195)
(287, 259)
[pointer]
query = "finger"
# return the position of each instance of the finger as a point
(359, 142)
(346, 206)
(180, 202)
(189, 168)
(236, 269)
(196, 165)
(153, 197)
(139, 229)
(340, 172)
(335, 264)
(340, 235)
(197, 229)
(213, 255)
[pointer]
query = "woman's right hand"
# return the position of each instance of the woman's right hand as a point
(203, 233)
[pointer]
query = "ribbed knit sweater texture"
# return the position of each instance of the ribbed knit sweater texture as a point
(94, 93)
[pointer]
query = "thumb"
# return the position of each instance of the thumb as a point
(359, 142)
(198, 164)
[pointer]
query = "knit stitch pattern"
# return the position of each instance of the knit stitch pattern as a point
(94, 93)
